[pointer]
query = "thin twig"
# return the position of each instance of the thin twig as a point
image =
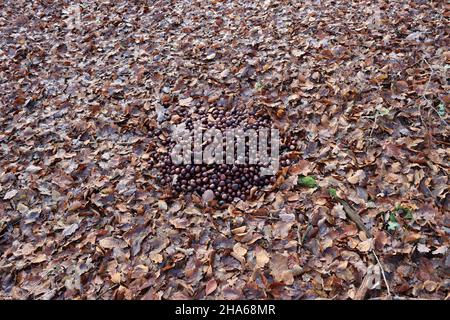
(107, 289)
(351, 213)
(357, 220)
(299, 237)
(373, 128)
(363, 288)
(382, 273)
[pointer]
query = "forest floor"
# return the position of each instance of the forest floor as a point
(362, 87)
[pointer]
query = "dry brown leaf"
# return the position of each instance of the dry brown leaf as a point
(211, 286)
(262, 257)
(365, 246)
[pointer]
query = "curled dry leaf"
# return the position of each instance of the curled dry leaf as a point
(430, 286)
(365, 246)
(239, 252)
(262, 257)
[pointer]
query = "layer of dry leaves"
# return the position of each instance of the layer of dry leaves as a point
(361, 84)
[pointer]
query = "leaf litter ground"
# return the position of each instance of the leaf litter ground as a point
(361, 87)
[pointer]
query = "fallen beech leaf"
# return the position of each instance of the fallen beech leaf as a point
(239, 250)
(27, 249)
(180, 223)
(239, 230)
(10, 194)
(92, 208)
(39, 258)
(281, 229)
(211, 286)
(365, 246)
(402, 86)
(262, 257)
(326, 243)
(75, 206)
(116, 278)
(162, 205)
(165, 98)
(23, 209)
(303, 167)
(293, 197)
(412, 237)
(110, 243)
(33, 169)
(280, 270)
(298, 53)
(338, 211)
(70, 230)
(156, 257)
(423, 248)
(357, 177)
(211, 56)
(440, 250)
(430, 286)
(186, 102)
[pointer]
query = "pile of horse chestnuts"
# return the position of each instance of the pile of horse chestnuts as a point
(225, 182)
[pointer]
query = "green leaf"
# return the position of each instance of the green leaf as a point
(333, 193)
(441, 110)
(393, 225)
(308, 182)
(259, 86)
(405, 212)
(409, 216)
(392, 217)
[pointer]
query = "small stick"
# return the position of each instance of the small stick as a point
(362, 290)
(106, 290)
(355, 217)
(357, 220)
(382, 273)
